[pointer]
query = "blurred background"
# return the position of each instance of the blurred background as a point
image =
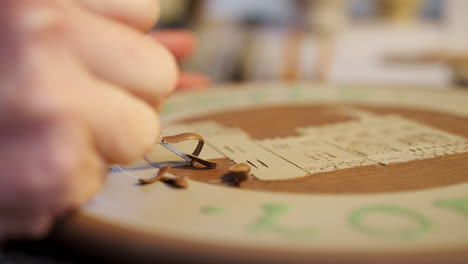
(409, 43)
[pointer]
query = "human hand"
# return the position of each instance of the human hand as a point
(181, 44)
(79, 82)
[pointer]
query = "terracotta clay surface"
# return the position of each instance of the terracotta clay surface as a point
(260, 123)
(275, 121)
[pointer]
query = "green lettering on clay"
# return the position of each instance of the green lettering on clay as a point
(212, 210)
(167, 108)
(399, 95)
(352, 94)
(269, 222)
(258, 97)
(458, 205)
(212, 100)
(203, 100)
(295, 94)
(420, 223)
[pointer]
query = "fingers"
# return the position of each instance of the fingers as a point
(193, 81)
(26, 225)
(124, 57)
(74, 109)
(32, 181)
(141, 14)
(124, 127)
(181, 43)
(51, 167)
(53, 157)
(75, 165)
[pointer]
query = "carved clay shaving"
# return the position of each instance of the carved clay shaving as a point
(159, 176)
(184, 137)
(192, 158)
(205, 163)
(177, 181)
(241, 172)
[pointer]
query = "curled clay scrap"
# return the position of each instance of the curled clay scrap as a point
(184, 137)
(206, 163)
(193, 158)
(161, 176)
(157, 177)
(241, 172)
(177, 181)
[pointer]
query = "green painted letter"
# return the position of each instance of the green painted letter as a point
(458, 205)
(269, 222)
(390, 222)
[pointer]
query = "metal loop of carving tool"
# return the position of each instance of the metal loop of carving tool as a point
(184, 137)
(155, 164)
(206, 163)
(191, 158)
